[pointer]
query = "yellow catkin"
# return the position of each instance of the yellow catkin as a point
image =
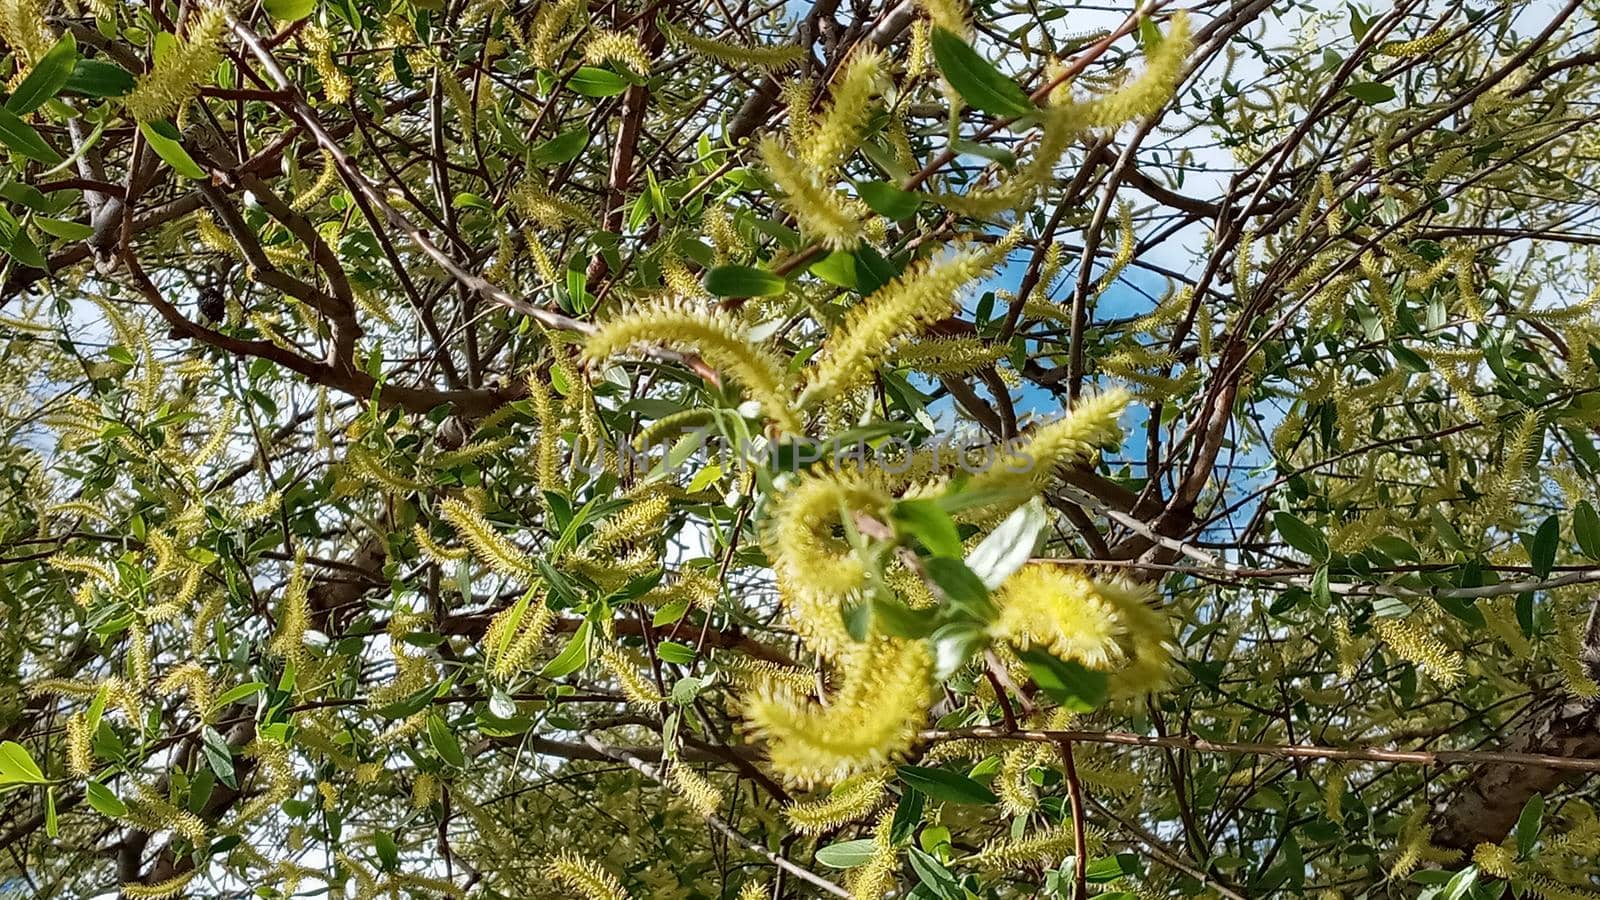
(161, 890)
(953, 16)
(849, 801)
(490, 547)
(80, 756)
(294, 615)
(614, 46)
(635, 688)
(1495, 860)
(873, 879)
(1046, 846)
(721, 339)
(770, 58)
(640, 520)
(837, 131)
(584, 877)
(336, 84)
(1416, 646)
(1105, 625)
(697, 793)
(926, 293)
(178, 74)
(1049, 447)
(869, 722)
(823, 212)
(514, 636)
(1415, 47)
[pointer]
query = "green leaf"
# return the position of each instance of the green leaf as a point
(1009, 545)
(17, 765)
(17, 245)
(1370, 92)
(862, 271)
(102, 799)
(592, 82)
(675, 652)
(926, 521)
(934, 876)
(163, 140)
(1460, 885)
(411, 705)
(63, 228)
(1069, 683)
(1301, 536)
(1542, 549)
(964, 589)
(22, 139)
(1110, 868)
(236, 694)
(847, 854)
(887, 200)
(46, 78)
(572, 657)
(444, 742)
(975, 79)
(561, 148)
(388, 850)
(219, 756)
(744, 281)
(98, 78)
(289, 10)
(52, 827)
(1528, 824)
(943, 784)
(669, 613)
(1586, 528)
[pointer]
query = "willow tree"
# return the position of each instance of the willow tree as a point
(516, 449)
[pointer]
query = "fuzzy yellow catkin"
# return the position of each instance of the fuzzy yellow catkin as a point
(720, 338)
(823, 213)
(640, 520)
(80, 755)
(23, 28)
(697, 793)
(178, 73)
(1152, 88)
(799, 532)
(1415, 47)
(514, 636)
(1076, 437)
(614, 46)
(490, 547)
(949, 356)
(1008, 854)
(769, 58)
(1416, 646)
(754, 890)
(837, 131)
(849, 801)
(925, 293)
(336, 84)
(584, 877)
(161, 890)
(871, 720)
(875, 878)
(635, 688)
(1104, 625)
(953, 16)
(1495, 860)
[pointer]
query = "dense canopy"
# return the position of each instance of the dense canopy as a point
(554, 448)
